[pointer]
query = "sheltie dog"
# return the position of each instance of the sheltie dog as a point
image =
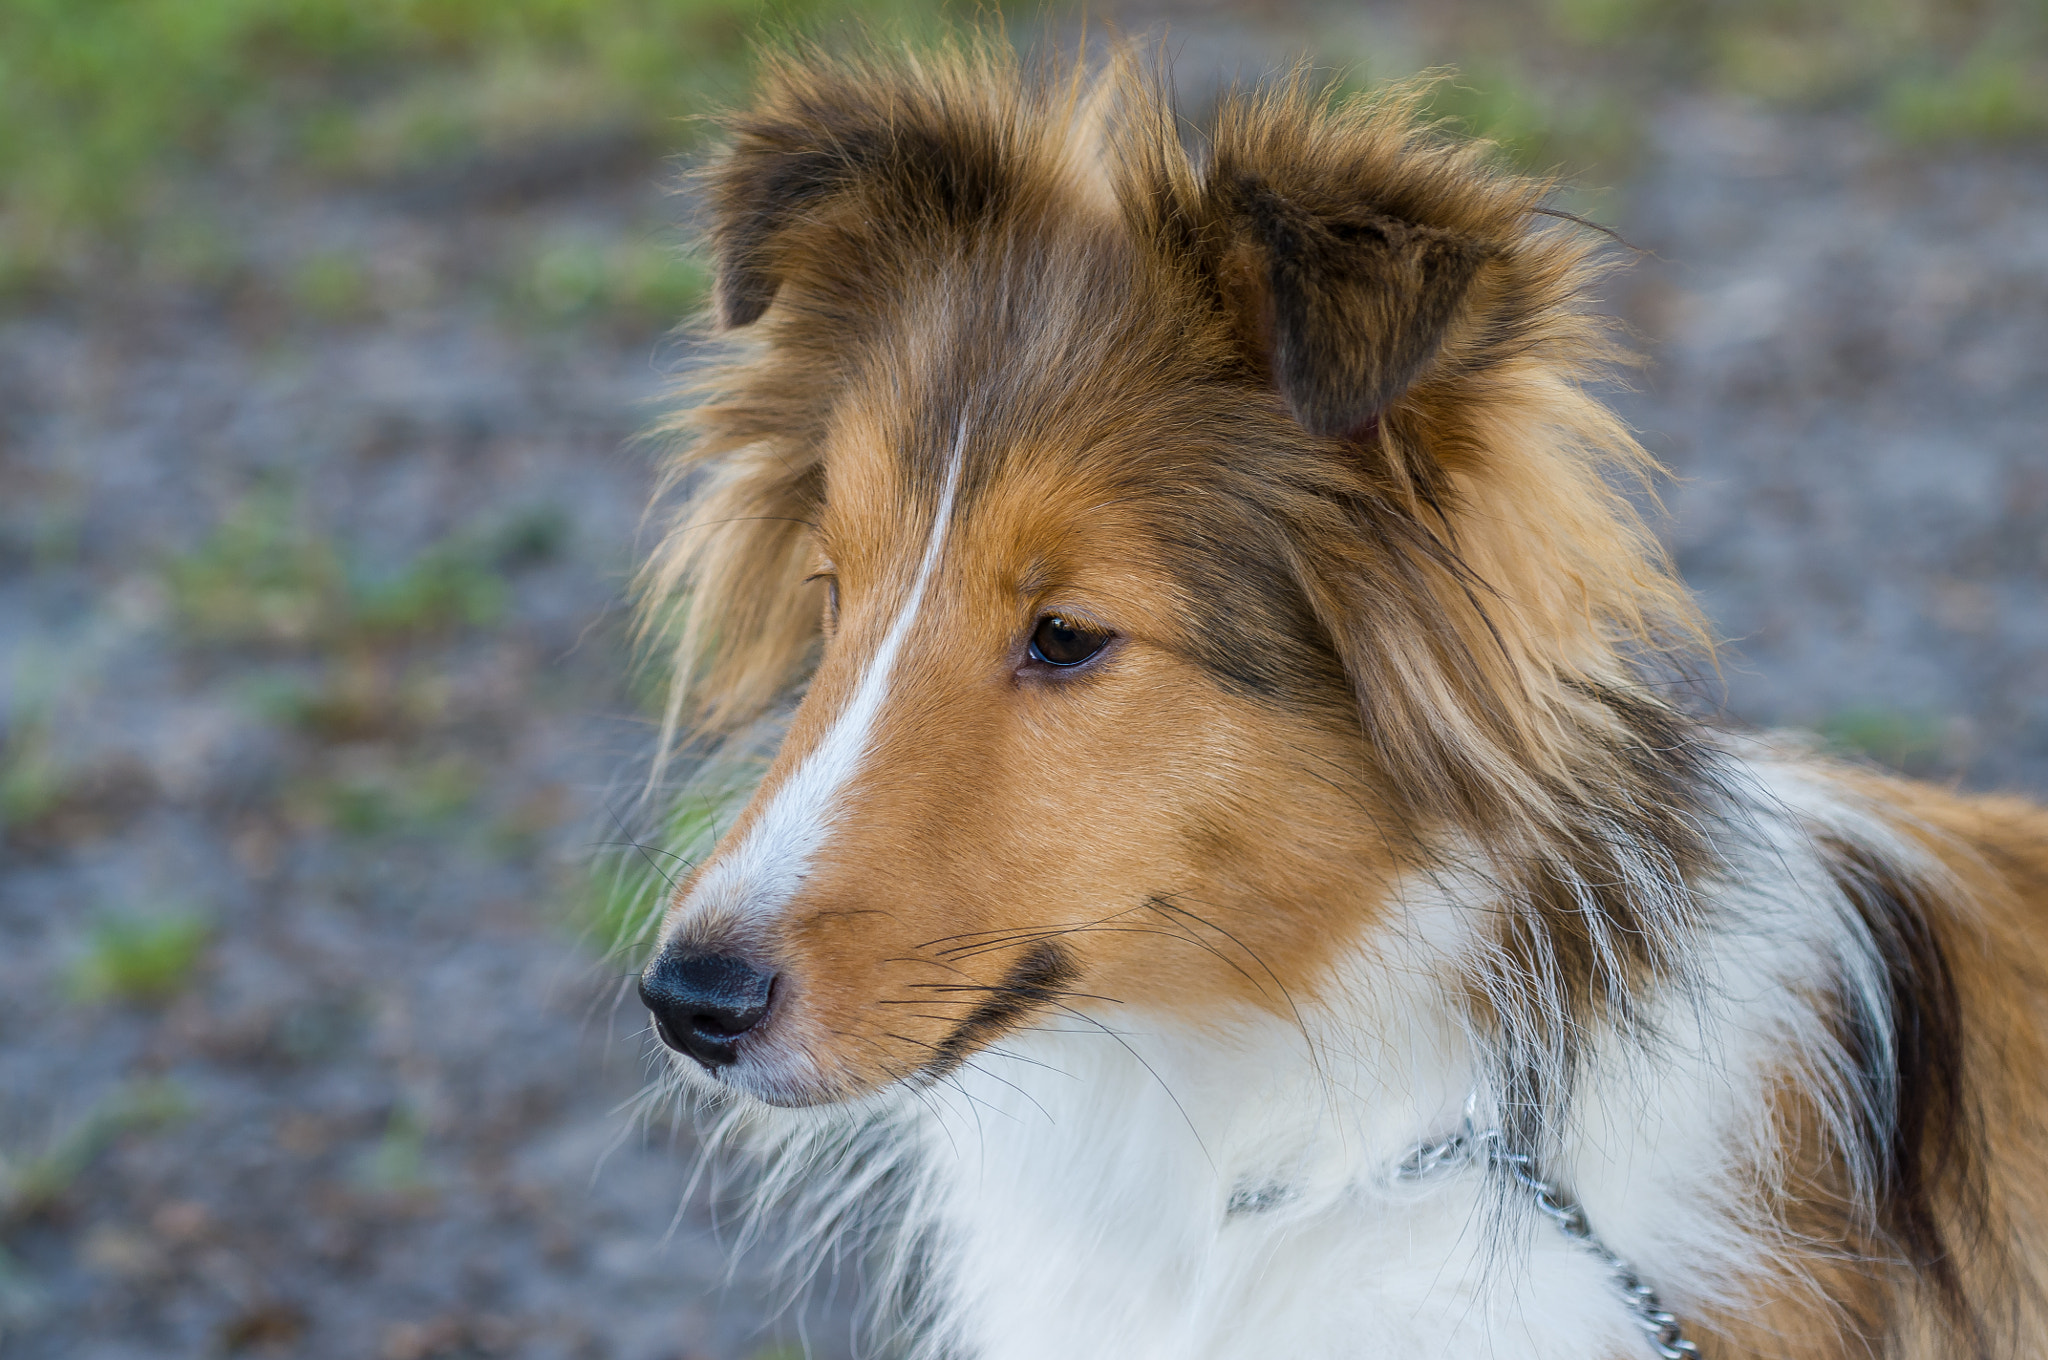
(1238, 878)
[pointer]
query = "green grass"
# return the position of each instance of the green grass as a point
(532, 538)
(120, 119)
(265, 575)
(139, 960)
(397, 1164)
(1562, 83)
(1992, 97)
(1539, 128)
(331, 285)
(33, 1183)
(1911, 742)
(1565, 87)
(1852, 53)
(260, 576)
(341, 641)
(626, 890)
(422, 798)
(32, 783)
(452, 585)
(115, 115)
(638, 282)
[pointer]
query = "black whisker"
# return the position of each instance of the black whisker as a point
(988, 987)
(627, 832)
(1197, 1133)
(683, 860)
(937, 1075)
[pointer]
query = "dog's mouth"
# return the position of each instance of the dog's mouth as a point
(744, 1029)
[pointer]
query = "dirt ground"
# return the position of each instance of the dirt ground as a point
(314, 691)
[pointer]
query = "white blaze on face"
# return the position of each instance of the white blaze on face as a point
(760, 875)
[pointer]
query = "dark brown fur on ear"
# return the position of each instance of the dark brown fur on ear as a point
(841, 170)
(1372, 266)
(771, 177)
(828, 138)
(1357, 304)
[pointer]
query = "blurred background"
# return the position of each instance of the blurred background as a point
(325, 330)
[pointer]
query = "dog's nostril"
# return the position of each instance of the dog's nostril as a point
(702, 1003)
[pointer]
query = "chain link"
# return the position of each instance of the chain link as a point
(1665, 1336)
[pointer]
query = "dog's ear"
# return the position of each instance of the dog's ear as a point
(772, 175)
(1349, 307)
(1356, 305)
(838, 171)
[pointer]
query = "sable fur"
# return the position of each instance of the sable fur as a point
(1324, 386)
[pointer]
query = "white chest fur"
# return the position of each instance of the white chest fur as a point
(1143, 1199)
(1140, 1188)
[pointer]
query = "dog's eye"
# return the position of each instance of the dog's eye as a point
(831, 596)
(1062, 642)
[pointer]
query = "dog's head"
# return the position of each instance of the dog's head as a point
(1172, 554)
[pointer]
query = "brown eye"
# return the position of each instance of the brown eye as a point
(1061, 642)
(831, 596)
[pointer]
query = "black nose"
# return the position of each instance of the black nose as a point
(703, 1003)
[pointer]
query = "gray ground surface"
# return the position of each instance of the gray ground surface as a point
(372, 1121)
(1850, 379)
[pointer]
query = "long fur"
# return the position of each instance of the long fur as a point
(1333, 372)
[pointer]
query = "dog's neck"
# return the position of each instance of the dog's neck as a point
(1178, 1184)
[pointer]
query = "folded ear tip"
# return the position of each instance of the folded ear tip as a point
(741, 297)
(1357, 309)
(1351, 415)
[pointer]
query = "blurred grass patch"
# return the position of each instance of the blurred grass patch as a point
(451, 585)
(347, 643)
(35, 1183)
(418, 797)
(118, 118)
(139, 960)
(356, 696)
(50, 797)
(396, 1164)
(1928, 70)
(259, 576)
(636, 282)
(1603, 21)
(1915, 743)
(627, 887)
(522, 830)
(331, 285)
(32, 782)
(508, 93)
(114, 113)
(532, 538)
(1993, 96)
(1580, 131)
(265, 576)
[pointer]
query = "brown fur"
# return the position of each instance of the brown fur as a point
(1944, 1260)
(1302, 426)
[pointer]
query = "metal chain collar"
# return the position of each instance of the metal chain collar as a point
(1662, 1329)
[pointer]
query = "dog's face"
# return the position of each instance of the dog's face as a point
(1014, 792)
(1120, 500)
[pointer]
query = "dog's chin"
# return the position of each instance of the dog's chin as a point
(772, 1080)
(788, 1095)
